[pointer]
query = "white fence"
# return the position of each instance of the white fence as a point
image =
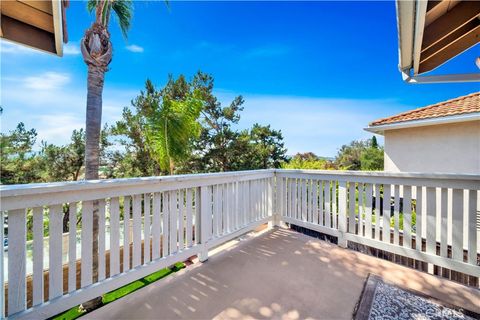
(360, 206)
(181, 215)
(174, 218)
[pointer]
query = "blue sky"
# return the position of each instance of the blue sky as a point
(319, 71)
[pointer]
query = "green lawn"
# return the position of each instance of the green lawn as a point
(111, 296)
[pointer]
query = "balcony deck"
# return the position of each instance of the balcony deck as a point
(277, 274)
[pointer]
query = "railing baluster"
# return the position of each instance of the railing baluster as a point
(396, 215)
(114, 236)
(181, 219)
(334, 205)
(431, 224)
(328, 223)
(55, 278)
(361, 208)
(472, 226)
(166, 223)
(137, 230)
(419, 218)
(17, 262)
(304, 200)
(216, 211)
(189, 232)
(205, 223)
(87, 241)
(156, 224)
(368, 210)
(101, 240)
(457, 224)
(173, 221)
(315, 201)
(291, 196)
(351, 207)
(407, 216)
(321, 203)
(228, 204)
(224, 205)
(37, 256)
(270, 198)
(126, 233)
(72, 246)
(236, 205)
(387, 195)
(342, 213)
(444, 223)
(377, 211)
(197, 215)
(146, 227)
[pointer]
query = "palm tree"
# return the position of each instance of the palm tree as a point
(97, 54)
(171, 126)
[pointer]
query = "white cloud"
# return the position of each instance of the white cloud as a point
(7, 47)
(134, 48)
(57, 128)
(55, 112)
(71, 48)
(47, 81)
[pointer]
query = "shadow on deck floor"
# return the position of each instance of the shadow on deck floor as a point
(279, 274)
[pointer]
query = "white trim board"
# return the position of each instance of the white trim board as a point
(380, 129)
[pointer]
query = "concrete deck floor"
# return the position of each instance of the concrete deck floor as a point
(279, 274)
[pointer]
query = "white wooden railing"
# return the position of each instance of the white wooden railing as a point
(154, 222)
(182, 216)
(360, 206)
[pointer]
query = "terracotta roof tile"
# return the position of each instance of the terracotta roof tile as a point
(461, 105)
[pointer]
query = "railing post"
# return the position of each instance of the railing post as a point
(342, 213)
(205, 222)
(272, 211)
(279, 200)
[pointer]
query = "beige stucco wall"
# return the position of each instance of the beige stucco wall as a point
(452, 148)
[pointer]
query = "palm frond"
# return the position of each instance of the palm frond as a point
(92, 5)
(124, 11)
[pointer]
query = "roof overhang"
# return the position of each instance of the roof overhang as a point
(39, 24)
(432, 32)
(380, 129)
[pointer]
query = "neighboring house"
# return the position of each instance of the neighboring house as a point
(443, 137)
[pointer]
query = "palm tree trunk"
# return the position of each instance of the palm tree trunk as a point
(95, 80)
(93, 125)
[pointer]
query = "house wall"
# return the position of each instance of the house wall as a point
(447, 148)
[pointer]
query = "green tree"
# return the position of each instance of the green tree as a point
(18, 161)
(135, 159)
(308, 160)
(267, 149)
(60, 163)
(360, 155)
(372, 157)
(217, 147)
(171, 128)
(157, 134)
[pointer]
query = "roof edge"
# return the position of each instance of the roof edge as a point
(380, 129)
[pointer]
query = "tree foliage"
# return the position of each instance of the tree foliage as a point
(19, 163)
(360, 155)
(309, 160)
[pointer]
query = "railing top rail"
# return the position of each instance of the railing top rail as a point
(36, 188)
(381, 174)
